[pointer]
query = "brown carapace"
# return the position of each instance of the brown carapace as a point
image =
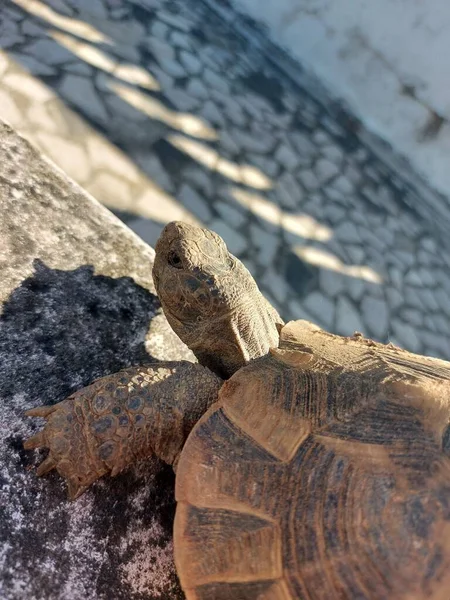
(318, 470)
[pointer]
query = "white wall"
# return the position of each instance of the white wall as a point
(370, 52)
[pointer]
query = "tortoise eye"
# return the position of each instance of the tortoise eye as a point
(174, 260)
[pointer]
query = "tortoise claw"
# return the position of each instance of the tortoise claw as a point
(35, 441)
(116, 469)
(46, 466)
(40, 411)
(74, 489)
(69, 453)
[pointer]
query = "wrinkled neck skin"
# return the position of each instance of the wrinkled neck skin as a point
(211, 300)
(228, 342)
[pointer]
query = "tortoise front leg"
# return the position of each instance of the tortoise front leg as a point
(121, 418)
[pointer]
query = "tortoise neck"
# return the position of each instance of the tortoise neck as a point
(229, 342)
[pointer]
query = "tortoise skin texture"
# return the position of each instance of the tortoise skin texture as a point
(320, 473)
(318, 470)
(115, 421)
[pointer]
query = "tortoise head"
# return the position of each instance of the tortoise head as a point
(211, 300)
(191, 271)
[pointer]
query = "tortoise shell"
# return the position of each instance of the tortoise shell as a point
(322, 472)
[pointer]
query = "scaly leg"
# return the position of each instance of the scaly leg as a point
(121, 418)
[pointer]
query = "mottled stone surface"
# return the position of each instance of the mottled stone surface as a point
(77, 303)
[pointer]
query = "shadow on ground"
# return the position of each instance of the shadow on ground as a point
(59, 331)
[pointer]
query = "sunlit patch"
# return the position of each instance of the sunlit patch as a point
(74, 26)
(302, 225)
(306, 226)
(136, 75)
(186, 123)
(90, 54)
(199, 152)
(99, 59)
(210, 158)
(155, 204)
(27, 86)
(258, 205)
(324, 259)
(89, 158)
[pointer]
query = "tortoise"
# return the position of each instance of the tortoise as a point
(308, 465)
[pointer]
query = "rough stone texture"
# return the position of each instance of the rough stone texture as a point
(77, 303)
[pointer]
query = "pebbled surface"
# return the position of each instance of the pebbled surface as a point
(184, 110)
(77, 303)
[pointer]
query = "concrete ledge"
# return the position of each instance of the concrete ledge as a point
(77, 303)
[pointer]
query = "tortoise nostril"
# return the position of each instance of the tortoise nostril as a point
(174, 260)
